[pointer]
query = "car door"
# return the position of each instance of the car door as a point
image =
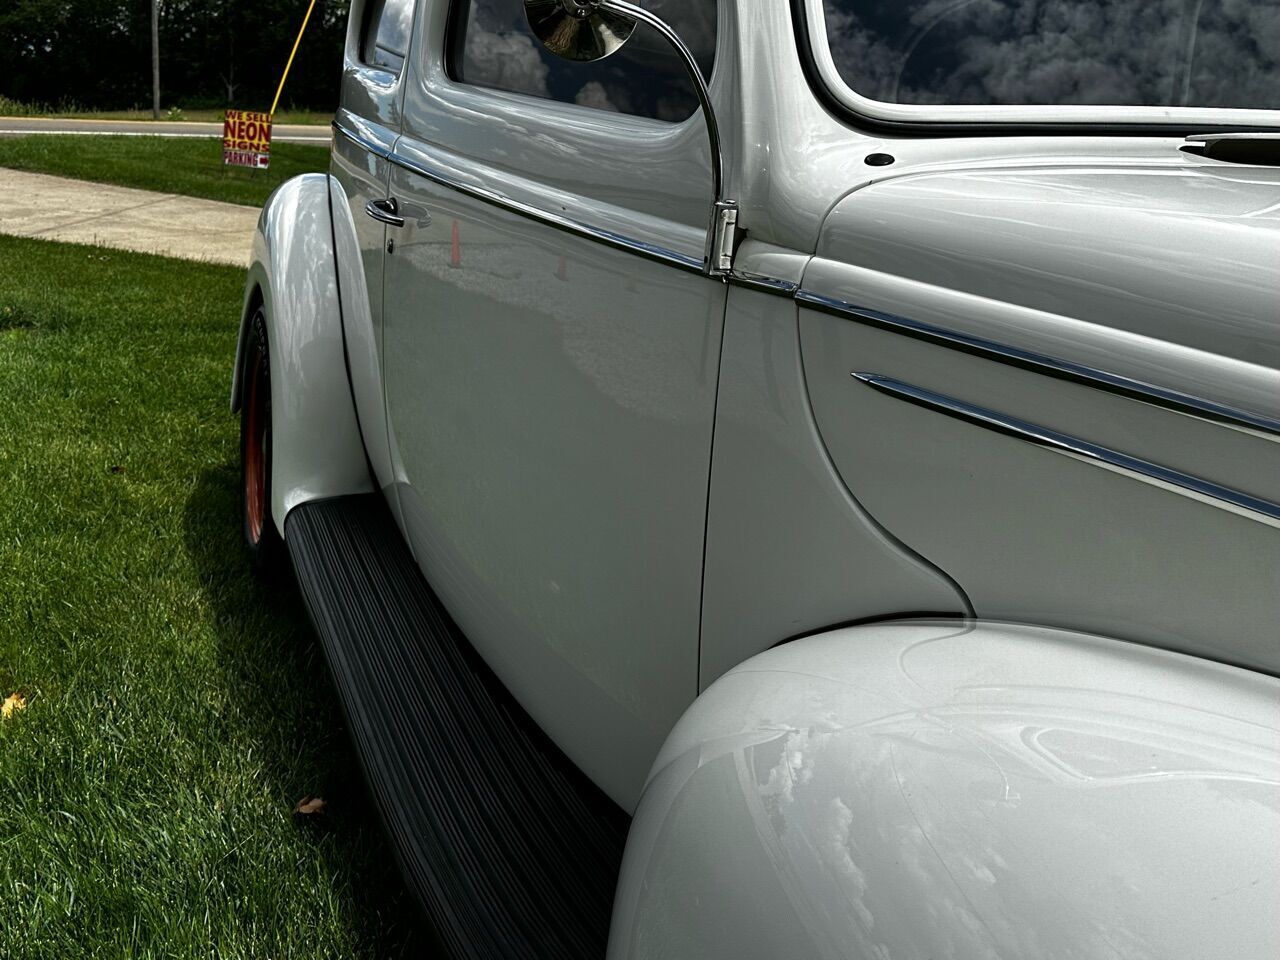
(551, 350)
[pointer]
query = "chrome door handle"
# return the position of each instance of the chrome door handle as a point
(384, 211)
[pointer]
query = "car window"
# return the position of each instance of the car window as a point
(1183, 53)
(387, 33)
(491, 45)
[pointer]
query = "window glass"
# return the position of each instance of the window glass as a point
(491, 45)
(387, 33)
(1192, 53)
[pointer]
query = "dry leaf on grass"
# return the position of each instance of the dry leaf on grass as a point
(15, 702)
(309, 806)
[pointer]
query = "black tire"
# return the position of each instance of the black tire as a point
(262, 539)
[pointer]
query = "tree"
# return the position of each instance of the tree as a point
(155, 59)
(96, 53)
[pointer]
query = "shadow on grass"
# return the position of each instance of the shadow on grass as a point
(15, 318)
(290, 713)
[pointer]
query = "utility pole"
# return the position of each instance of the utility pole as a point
(155, 59)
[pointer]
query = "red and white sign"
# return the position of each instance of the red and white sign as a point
(246, 139)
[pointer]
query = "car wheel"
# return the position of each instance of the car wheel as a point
(266, 549)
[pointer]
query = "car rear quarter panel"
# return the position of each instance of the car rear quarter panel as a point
(1165, 275)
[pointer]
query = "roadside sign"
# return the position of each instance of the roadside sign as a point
(246, 139)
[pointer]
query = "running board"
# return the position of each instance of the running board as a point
(513, 853)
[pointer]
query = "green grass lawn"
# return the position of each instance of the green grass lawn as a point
(176, 710)
(190, 166)
(71, 111)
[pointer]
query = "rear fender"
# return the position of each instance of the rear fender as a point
(942, 789)
(316, 445)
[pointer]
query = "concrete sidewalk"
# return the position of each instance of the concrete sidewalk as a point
(77, 211)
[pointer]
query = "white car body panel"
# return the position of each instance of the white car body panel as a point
(362, 333)
(1059, 263)
(552, 401)
(626, 479)
(790, 549)
(554, 418)
(1077, 241)
(928, 790)
(317, 448)
(371, 108)
(1092, 549)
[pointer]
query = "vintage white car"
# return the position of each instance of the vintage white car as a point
(829, 448)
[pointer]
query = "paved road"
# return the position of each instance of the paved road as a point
(284, 133)
(76, 211)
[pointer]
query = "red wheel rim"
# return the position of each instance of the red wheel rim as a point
(255, 451)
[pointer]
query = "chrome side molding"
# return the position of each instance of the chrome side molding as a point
(1050, 366)
(610, 238)
(755, 281)
(1152, 394)
(641, 248)
(1204, 491)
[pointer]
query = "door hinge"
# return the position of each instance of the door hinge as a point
(723, 238)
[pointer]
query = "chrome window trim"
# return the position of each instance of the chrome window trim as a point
(1182, 403)
(811, 32)
(1184, 484)
(755, 281)
(609, 238)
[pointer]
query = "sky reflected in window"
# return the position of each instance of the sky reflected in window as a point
(1193, 53)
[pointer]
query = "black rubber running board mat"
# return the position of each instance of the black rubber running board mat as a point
(513, 853)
